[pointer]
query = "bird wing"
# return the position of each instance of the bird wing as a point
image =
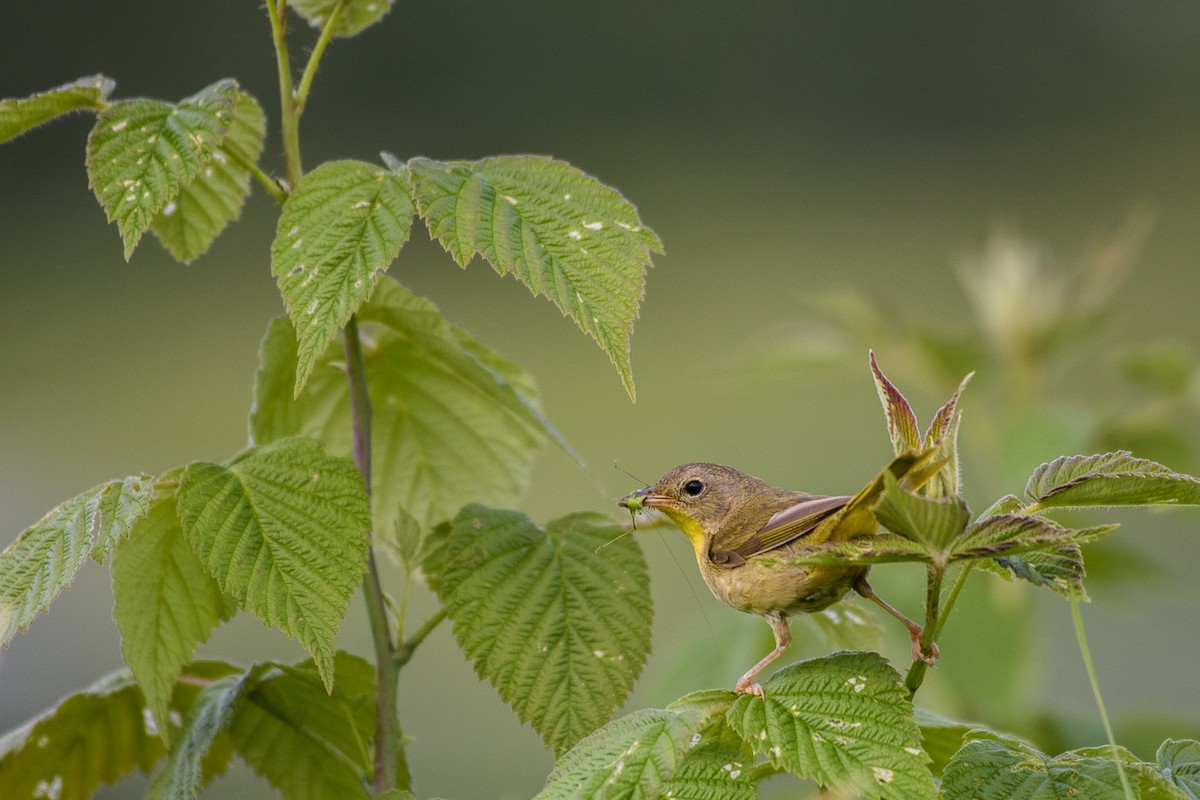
(822, 519)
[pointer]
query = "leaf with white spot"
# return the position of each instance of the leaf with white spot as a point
(560, 231)
(44, 559)
(142, 153)
(355, 15)
(452, 422)
(283, 529)
(560, 627)
(20, 115)
(189, 224)
(339, 230)
(844, 721)
(166, 603)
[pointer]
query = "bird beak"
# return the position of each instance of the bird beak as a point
(643, 498)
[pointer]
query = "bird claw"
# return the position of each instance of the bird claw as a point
(917, 655)
(749, 688)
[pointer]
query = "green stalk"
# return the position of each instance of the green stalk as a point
(1091, 673)
(933, 596)
(310, 70)
(289, 120)
(386, 668)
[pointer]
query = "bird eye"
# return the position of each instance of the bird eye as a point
(693, 487)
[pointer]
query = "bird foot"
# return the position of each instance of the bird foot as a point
(917, 655)
(745, 687)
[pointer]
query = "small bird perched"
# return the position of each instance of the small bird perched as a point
(742, 528)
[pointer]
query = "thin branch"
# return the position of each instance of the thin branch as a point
(314, 58)
(405, 652)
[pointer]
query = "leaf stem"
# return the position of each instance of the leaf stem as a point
(933, 596)
(960, 580)
(277, 192)
(314, 58)
(386, 723)
(1091, 673)
(289, 119)
(404, 652)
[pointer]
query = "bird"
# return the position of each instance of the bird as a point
(743, 530)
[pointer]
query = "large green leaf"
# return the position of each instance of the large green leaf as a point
(560, 231)
(940, 738)
(1108, 479)
(188, 224)
(166, 603)
(844, 720)
(142, 153)
(283, 528)
(452, 422)
(19, 116)
(339, 230)
(1179, 760)
(934, 522)
(44, 559)
(991, 765)
(309, 744)
(560, 628)
(355, 16)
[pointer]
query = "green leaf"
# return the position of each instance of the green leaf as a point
(339, 230)
(166, 603)
(560, 628)
(91, 738)
(943, 432)
(310, 744)
(283, 528)
(901, 421)
(940, 738)
(1179, 761)
(882, 548)
(631, 758)
(844, 721)
(189, 224)
(44, 559)
(933, 522)
(356, 14)
(211, 713)
(991, 765)
(560, 231)
(142, 153)
(1007, 534)
(20, 116)
(451, 422)
(1108, 479)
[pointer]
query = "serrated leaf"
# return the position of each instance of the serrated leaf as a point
(560, 231)
(1179, 761)
(943, 433)
(1010, 534)
(940, 738)
(901, 421)
(560, 628)
(283, 528)
(711, 776)
(450, 425)
(45, 558)
(355, 15)
(631, 758)
(142, 153)
(339, 230)
(92, 738)
(991, 765)
(190, 222)
(309, 744)
(844, 721)
(211, 713)
(18, 116)
(1009, 504)
(932, 522)
(1059, 569)
(1108, 479)
(166, 603)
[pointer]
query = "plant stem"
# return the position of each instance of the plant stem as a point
(314, 58)
(386, 727)
(933, 596)
(277, 192)
(289, 120)
(406, 649)
(960, 580)
(1091, 673)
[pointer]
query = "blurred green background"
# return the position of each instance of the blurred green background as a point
(822, 174)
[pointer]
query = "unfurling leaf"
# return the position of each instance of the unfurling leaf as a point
(1108, 479)
(338, 232)
(142, 153)
(452, 422)
(283, 529)
(189, 224)
(933, 522)
(19, 116)
(844, 721)
(560, 628)
(44, 559)
(560, 231)
(902, 422)
(943, 433)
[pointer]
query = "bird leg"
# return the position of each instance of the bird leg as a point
(915, 631)
(783, 638)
